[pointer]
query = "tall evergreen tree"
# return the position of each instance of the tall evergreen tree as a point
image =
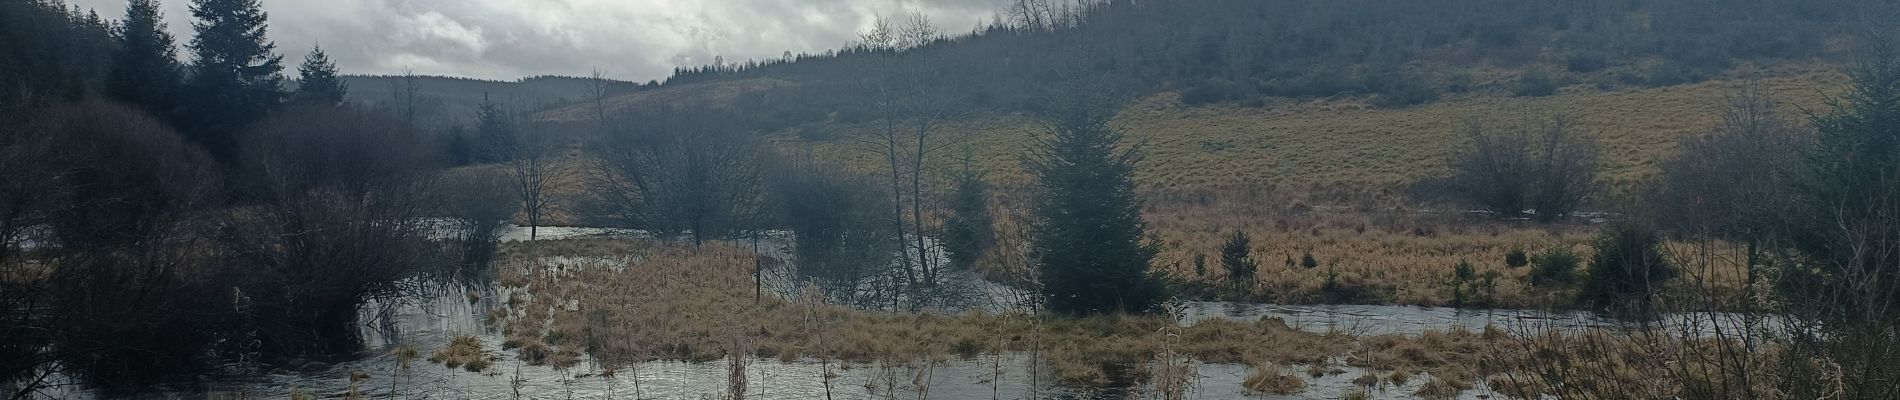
(969, 231)
(1853, 186)
(320, 84)
(50, 53)
(236, 75)
(1090, 242)
(495, 131)
(1846, 282)
(1237, 257)
(145, 70)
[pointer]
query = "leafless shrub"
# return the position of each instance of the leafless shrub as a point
(24, 154)
(129, 297)
(22, 192)
(474, 204)
(842, 236)
(1739, 181)
(339, 194)
(121, 175)
(1551, 170)
(680, 170)
(533, 158)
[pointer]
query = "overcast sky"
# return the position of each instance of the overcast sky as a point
(509, 39)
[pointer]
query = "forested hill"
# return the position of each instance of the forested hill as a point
(1386, 53)
(456, 99)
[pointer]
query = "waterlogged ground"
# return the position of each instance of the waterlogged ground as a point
(432, 323)
(387, 369)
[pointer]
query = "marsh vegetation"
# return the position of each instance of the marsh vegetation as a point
(1116, 212)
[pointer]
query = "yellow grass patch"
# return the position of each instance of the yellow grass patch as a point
(1329, 146)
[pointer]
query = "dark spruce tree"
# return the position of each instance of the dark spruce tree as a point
(969, 230)
(49, 53)
(320, 83)
(1628, 270)
(495, 132)
(1845, 283)
(1090, 244)
(1237, 257)
(145, 70)
(236, 75)
(1853, 186)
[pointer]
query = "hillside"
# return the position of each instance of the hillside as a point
(1337, 99)
(455, 99)
(1343, 147)
(719, 92)
(1336, 149)
(1388, 54)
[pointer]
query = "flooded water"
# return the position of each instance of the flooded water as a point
(1412, 320)
(429, 323)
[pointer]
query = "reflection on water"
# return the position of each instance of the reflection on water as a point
(1411, 320)
(427, 325)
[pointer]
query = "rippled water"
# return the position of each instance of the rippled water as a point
(1411, 320)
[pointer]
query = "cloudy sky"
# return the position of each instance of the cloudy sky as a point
(509, 39)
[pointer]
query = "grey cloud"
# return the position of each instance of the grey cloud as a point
(508, 39)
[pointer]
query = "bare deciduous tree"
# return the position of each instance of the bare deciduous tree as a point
(1492, 172)
(1032, 15)
(841, 233)
(342, 194)
(912, 109)
(475, 203)
(1566, 170)
(680, 169)
(1551, 172)
(22, 155)
(1737, 182)
(537, 161)
(403, 93)
(598, 87)
(125, 270)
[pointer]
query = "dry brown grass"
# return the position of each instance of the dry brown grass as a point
(1587, 364)
(405, 356)
(1368, 254)
(681, 303)
(1344, 147)
(1268, 379)
(464, 352)
(25, 273)
(1389, 257)
(1214, 169)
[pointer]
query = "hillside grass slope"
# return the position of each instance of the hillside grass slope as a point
(1342, 149)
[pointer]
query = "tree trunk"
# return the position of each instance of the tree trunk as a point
(917, 212)
(897, 207)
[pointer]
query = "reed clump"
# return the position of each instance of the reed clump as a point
(464, 352)
(1268, 379)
